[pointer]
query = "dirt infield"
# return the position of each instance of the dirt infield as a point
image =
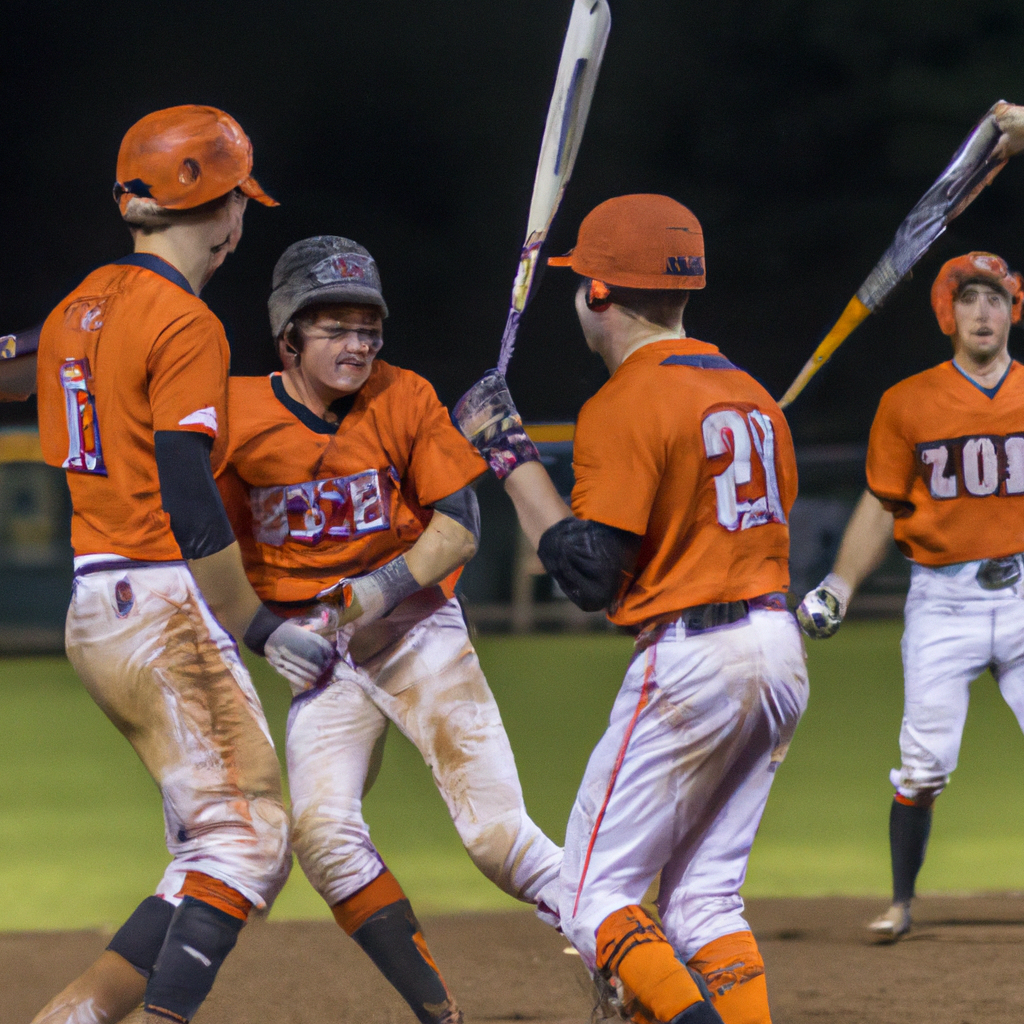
(961, 965)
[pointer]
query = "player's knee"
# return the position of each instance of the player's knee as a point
(334, 851)
(267, 863)
(490, 847)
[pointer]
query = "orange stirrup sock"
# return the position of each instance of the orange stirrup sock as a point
(355, 911)
(733, 968)
(216, 893)
(633, 949)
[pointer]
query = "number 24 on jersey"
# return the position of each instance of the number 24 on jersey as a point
(749, 436)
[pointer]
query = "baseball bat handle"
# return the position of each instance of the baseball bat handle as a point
(854, 314)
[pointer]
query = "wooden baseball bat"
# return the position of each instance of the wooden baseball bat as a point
(582, 52)
(973, 166)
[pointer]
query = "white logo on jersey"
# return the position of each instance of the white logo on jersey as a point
(339, 508)
(205, 418)
(729, 430)
(976, 466)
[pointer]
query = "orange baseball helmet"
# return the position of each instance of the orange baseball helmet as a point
(974, 268)
(641, 241)
(182, 157)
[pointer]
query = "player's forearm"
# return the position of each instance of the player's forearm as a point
(226, 589)
(442, 547)
(537, 502)
(865, 541)
(17, 378)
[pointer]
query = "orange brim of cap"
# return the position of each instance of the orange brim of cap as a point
(251, 187)
(561, 261)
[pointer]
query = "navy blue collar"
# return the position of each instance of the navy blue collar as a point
(159, 266)
(341, 407)
(990, 392)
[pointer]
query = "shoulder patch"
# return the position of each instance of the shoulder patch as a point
(205, 419)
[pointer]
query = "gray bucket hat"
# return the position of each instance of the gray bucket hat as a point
(326, 268)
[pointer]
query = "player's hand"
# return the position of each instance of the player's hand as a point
(301, 655)
(821, 612)
(488, 418)
(1010, 119)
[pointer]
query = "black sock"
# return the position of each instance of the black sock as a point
(909, 826)
(198, 940)
(388, 940)
(141, 937)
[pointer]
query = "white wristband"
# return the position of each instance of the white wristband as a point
(836, 585)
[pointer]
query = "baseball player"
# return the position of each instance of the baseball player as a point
(945, 473)
(685, 475)
(345, 466)
(132, 383)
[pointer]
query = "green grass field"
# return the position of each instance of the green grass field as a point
(81, 837)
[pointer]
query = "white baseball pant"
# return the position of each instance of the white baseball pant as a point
(679, 781)
(429, 683)
(167, 674)
(954, 630)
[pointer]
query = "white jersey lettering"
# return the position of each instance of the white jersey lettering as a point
(729, 430)
(338, 508)
(984, 464)
(981, 467)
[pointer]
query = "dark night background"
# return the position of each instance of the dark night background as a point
(799, 133)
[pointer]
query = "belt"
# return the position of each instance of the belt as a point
(991, 574)
(702, 617)
(123, 565)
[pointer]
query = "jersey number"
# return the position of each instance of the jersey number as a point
(748, 436)
(983, 465)
(85, 453)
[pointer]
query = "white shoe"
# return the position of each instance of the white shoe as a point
(893, 924)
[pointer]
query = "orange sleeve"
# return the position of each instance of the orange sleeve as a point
(619, 460)
(188, 376)
(891, 463)
(441, 460)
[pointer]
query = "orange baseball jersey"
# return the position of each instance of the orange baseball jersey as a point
(947, 457)
(312, 502)
(691, 453)
(130, 351)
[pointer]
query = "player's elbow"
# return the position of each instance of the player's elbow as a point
(458, 519)
(588, 560)
(463, 547)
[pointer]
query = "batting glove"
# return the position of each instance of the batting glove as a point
(301, 655)
(821, 612)
(489, 419)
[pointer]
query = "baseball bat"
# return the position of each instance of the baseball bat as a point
(973, 166)
(582, 52)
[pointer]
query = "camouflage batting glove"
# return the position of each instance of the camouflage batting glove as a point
(821, 612)
(488, 418)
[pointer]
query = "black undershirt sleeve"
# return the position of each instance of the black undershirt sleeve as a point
(588, 560)
(463, 507)
(190, 497)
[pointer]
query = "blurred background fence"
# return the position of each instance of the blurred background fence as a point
(504, 588)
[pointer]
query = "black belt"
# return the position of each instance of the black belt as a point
(123, 565)
(702, 617)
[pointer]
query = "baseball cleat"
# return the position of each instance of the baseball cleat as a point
(893, 924)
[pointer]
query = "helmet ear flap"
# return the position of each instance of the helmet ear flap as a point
(1017, 299)
(598, 296)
